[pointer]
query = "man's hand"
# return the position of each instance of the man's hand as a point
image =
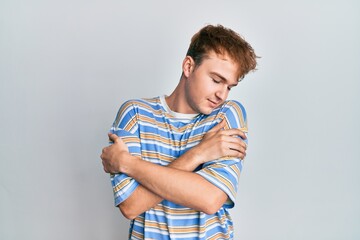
(218, 143)
(113, 155)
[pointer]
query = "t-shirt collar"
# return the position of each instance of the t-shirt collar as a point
(176, 114)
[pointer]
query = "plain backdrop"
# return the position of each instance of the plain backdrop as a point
(66, 67)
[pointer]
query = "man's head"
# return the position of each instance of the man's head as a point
(222, 41)
(217, 59)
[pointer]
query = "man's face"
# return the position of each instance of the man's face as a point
(208, 85)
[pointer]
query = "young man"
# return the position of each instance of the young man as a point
(176, 160)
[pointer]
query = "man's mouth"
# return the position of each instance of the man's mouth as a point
(213, 104)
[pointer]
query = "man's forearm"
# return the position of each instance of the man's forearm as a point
(143, 199)
(175, 182)
(182, 187)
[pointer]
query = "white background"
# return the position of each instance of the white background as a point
(66, 66)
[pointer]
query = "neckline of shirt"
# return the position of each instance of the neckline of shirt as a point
(176, 114)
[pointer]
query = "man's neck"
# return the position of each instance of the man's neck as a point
(177, 100)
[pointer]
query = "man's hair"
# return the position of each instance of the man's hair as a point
(222, 41)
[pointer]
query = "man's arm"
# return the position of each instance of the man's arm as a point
(185, 188)
(143, 199)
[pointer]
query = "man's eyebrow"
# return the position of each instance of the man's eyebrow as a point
(223, 78)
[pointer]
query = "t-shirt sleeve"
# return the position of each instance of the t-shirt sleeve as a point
(126, 127)
(225, 172)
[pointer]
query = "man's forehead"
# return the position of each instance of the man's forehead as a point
(232, 68)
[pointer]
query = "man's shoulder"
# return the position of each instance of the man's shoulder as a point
(142, 101)
(134, 108)
(136, 103)
(232, 105)
(234, 112)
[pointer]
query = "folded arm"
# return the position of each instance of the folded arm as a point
(185, 188)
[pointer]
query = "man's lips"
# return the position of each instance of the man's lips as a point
(213, 104)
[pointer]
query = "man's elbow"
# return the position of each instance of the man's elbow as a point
(127, 212)
(212, 205)
(210, 210)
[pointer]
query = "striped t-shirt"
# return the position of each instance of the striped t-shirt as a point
(158, 135)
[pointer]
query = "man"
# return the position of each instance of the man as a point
(176, 160)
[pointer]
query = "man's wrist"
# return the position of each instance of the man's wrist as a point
(195, 155)
(127, 160)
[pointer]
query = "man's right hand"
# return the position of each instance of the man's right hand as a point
(113, 156)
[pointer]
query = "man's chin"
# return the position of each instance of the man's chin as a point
(207, 111)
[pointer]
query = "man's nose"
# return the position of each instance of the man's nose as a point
(222, 93)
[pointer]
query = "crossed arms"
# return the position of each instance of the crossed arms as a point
(186, 187)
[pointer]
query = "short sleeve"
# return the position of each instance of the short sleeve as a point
(125, 126)
(225, 172)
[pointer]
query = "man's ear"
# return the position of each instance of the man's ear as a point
(188, 66)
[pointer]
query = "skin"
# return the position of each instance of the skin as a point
(200, 90)
(205, 87)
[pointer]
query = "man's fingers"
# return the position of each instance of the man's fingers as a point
(231, 131)
(113, 137)
(234, 132)
(237, 151)
(218, 126)
(237, 147)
